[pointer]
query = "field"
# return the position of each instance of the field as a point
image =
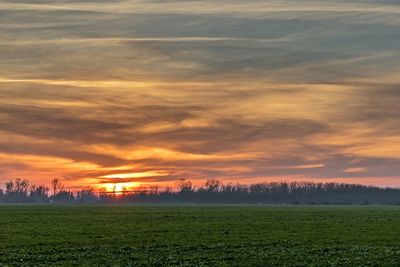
(199, 235)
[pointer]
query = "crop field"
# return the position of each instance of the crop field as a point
(199, 235)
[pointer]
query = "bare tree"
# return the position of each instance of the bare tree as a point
(185, 185)
(153, 190)
(213, 185)
(21, 186)
(38, 193)
(57, 186)
(17, 191)
(9, 187)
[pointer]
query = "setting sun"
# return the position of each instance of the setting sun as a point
(119, 188)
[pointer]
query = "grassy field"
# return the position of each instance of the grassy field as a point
(196, 236)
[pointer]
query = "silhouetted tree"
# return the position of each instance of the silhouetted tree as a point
(87, 196)
(154, 190)
(185, 186)
(213, 185)
(17, 191)
(9, 187)
(64, 197)
(57, 186)
(39, 194)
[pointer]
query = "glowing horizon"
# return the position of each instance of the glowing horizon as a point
(100, 93)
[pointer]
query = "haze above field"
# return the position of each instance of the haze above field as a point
(142, 92)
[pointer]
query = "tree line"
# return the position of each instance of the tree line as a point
(22, 191)
(213, 191)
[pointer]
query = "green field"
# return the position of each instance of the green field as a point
(199, 235)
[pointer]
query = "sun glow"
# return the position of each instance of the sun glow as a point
(119, 188)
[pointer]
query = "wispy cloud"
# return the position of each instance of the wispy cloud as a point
(151, 91)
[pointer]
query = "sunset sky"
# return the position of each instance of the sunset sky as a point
(148, 91)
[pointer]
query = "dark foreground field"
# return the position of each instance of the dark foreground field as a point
(195, 236)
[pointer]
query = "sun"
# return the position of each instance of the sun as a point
(118, 188)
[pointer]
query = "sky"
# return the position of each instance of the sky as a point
(143, 92)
